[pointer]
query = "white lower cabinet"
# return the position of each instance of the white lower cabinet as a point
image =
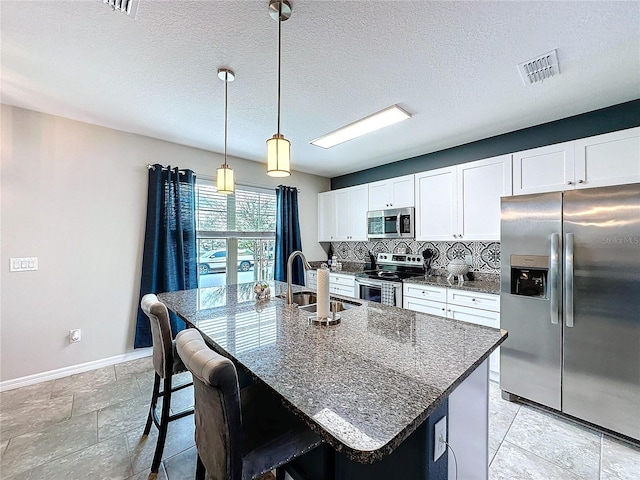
(473, 307)
(312, 279)
(339, 284)
(342, 284)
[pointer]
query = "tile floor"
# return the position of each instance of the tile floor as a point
(89, 426)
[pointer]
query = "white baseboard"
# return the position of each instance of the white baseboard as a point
(66, 371)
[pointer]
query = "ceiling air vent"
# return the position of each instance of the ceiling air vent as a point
(540, 68)
(130, 7)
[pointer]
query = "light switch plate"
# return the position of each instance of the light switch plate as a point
(23, 264)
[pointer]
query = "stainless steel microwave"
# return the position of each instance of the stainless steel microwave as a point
(396, 223)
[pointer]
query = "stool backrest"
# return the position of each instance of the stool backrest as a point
(161, 334)
(217, 406)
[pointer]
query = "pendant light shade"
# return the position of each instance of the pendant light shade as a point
(224, 179)
(278, 156)
(224, 176)
(278, 147)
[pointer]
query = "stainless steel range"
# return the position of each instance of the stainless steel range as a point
(384, 285)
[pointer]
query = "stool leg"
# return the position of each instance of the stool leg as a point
(200, 470)
(164, 423)
(154, 402)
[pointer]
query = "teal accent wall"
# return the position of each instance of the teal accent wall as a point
(605, 120)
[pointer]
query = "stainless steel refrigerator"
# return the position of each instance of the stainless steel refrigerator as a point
(570, 300)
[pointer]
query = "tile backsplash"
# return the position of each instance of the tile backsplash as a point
(485, 256)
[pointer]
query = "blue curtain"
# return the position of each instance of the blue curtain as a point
(287, 235)
(169, 260)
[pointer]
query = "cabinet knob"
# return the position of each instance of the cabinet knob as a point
(443, 309)
(473, 299)
(460, 236)
(455, 236)
(580, 181)
(569, 182)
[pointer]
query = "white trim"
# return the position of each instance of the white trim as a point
(66, 371)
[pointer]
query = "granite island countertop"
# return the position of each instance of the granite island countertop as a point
(365, 384)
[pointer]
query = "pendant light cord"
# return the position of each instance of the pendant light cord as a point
(279, 56)
(226, 85)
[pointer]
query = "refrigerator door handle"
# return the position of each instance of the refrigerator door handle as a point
(554, 259)
(568, 278)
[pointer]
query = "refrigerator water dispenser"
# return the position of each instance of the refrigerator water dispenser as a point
(529, 275)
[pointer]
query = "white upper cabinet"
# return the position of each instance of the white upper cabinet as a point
(480, 186)
(462, 202)
(544, 169)
(608, 159)
(326, 217)
(350, 211)
(436, 204)
(393, 193)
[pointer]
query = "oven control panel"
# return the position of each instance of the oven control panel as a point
(404, 259)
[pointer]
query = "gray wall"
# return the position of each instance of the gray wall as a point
(617, 117)
(74, 195)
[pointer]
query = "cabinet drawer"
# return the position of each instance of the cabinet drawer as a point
(425, 292)
(486, 301)
(346, 280)
(474, 315)
(341, 290)
(425, 306)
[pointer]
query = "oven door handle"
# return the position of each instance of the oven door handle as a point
(368, 283)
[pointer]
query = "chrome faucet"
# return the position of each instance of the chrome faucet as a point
(306, 266)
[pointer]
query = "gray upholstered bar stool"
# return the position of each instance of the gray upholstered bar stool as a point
(166, 363)
(238, 436)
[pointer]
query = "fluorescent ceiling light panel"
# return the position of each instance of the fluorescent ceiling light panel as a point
(375, 121)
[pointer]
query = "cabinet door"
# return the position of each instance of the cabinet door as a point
(312, 279)
(480, 186)
(326, 217)
(544, 169)
(357, 207)
(393, 193)
(402, 191)
(436, 210)
(609, 159)
(342, 214)
(379, 195)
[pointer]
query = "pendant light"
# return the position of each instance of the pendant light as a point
(224, 180)
(278, 147)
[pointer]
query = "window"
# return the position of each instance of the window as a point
(235, 234)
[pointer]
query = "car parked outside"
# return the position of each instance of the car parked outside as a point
(216, 262)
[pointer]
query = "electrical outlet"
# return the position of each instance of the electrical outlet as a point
(75, 335)
(468, 260)
(23, 264)
(440, 438)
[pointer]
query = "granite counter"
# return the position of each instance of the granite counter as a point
(365, 384)
(483, 284)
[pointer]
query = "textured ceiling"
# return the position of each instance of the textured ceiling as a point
(451, 64)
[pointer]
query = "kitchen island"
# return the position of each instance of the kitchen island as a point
(371, 386)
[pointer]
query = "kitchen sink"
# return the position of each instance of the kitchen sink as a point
(308, 301)
(334, 306)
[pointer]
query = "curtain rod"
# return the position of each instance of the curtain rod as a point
(152, 167)
(210, 178)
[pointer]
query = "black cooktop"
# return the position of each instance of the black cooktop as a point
(390, 275)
